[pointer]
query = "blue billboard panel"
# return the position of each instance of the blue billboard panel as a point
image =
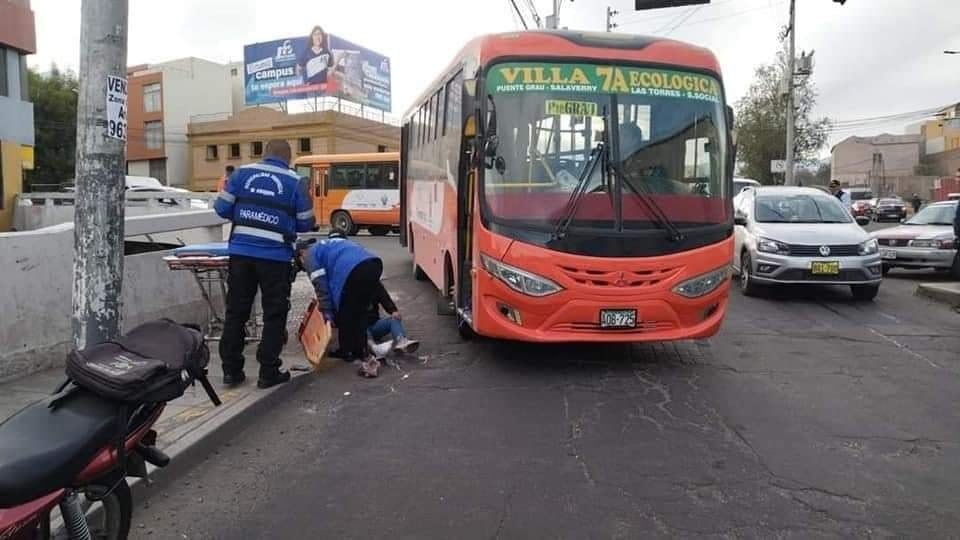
(318, 64)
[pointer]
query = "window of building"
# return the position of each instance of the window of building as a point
(212, 153)
(304, 145)
(24, 79)
(381, 148)
(151, 98)
(233, 72)
(153, 134)
(347, 177)
(1, 168)
(382, 176)
(4, 91)
(256, 148)
(234, 151)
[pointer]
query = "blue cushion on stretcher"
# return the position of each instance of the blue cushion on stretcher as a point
(212, 249)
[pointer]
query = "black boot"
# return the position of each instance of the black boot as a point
(279, 377)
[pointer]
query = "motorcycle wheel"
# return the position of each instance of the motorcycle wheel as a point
(108, 517)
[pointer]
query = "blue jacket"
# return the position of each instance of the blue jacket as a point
(329, 263)
(268, 206)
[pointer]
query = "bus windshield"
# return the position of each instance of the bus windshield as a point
(669, 143)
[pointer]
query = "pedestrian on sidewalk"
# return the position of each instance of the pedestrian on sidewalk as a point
(916, 202)
(391, 325)
(345, 276)
(267, 205)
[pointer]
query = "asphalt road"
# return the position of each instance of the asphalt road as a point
(809, 415)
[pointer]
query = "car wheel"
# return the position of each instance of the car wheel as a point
(747, 286)
(885, 269)
(865, 293)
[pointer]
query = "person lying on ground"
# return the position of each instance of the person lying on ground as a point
(391, 325)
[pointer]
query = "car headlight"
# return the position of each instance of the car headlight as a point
(519, 280)
(869, 247)
(703, 284)
(767, 245)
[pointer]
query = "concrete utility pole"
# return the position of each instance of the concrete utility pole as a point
(101, 164)
(610, 13)
(791, 121)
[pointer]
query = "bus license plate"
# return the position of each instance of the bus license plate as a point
(618, 318)
(825, 267)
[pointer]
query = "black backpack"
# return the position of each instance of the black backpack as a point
(155, 362)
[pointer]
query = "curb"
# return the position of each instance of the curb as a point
(193, 443)
(940, 292)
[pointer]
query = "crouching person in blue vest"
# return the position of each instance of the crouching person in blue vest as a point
(345, 276)
(267, 205)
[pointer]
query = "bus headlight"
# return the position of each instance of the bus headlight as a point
(519, 280)
(703, 284)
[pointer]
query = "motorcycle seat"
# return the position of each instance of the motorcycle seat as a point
(44, 448)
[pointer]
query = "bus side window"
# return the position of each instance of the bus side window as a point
(321, 186)
(382, 176)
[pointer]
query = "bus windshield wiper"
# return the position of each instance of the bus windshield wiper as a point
(574, 201)
(656, 212)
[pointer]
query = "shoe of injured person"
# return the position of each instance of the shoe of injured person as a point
(381, 350)
(408, 346)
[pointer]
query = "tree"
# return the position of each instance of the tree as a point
(761, 122)
(54, 97)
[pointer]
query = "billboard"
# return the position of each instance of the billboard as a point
(317, 64)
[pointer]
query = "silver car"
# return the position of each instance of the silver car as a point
(802, 235)
(924, 241)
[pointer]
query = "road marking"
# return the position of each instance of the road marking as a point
(903, 348)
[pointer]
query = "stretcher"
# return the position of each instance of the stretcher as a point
(210, 266)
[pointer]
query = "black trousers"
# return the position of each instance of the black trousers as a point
(273, 279)
(354, 307)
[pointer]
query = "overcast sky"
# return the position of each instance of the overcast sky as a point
(873, 57)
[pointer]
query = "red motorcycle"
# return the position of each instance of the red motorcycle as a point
(74, 451)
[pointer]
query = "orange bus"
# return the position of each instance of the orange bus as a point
(354, 191)
(562, 186)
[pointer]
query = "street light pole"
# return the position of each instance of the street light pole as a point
(100, 169)
(789, 179)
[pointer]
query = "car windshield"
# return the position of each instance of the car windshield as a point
(671, 129)
(799, 208)
(937, 214)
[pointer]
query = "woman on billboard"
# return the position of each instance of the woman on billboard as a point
(316, 58)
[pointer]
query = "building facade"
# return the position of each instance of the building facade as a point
(162, 98)
(241, 138)
(17, 40)
(857, 160)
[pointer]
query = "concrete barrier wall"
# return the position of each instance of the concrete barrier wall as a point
(35, 298)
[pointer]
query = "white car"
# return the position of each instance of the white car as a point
(740, 184)
(798, 235)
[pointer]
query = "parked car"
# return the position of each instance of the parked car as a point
(195, 204)
(862, 208)
(890, 208)
(926, 240)
(796, 235)
(740, 184)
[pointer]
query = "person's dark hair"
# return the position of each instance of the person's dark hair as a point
(230, 169)
(278, 149)
(323, 40)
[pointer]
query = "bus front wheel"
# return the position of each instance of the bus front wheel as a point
(342, 221)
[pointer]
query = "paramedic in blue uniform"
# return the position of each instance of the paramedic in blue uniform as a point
(346, 277)
(267, 205)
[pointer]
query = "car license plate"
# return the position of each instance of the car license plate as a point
(618, 318)
(888, 254)
(825, 267)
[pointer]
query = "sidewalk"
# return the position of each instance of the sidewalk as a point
(946, 292)
(191, 424)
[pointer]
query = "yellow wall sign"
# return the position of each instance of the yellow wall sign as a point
(575, 108)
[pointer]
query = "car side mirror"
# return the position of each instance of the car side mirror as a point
(740, 219)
